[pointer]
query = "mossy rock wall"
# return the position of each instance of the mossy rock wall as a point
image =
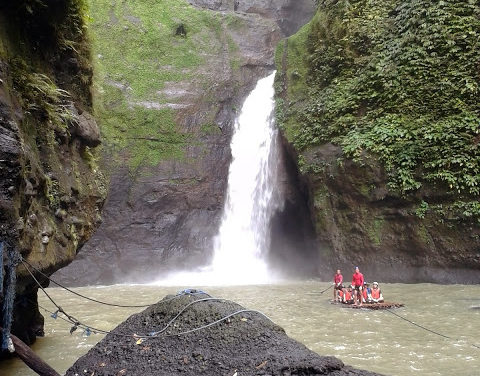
(51, 189)
(379, 100)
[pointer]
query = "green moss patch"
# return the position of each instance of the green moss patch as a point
(140, 50)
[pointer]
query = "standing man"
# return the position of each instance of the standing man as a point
(337, 284)
(357, 282)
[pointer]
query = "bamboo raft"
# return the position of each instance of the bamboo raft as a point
(374, 306)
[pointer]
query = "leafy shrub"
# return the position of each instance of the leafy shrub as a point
(399, 80)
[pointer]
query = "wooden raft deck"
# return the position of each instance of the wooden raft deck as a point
(374, 306)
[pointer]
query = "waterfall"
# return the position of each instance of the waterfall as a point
(242, 240)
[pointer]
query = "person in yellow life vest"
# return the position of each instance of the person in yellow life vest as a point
(377, 296)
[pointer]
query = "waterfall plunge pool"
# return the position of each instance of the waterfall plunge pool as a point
(373, 340)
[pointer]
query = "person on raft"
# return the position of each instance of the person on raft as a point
(337, 285)
(366, 293)
(347, 295)
(377, 296)
(357, 283)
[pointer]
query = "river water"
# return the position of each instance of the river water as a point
(374, 340)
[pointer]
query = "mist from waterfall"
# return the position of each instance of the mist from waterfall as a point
(243, 238)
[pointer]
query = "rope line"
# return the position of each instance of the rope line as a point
(157, 334)
(429, 330)
(77, 323)
(71, 318)
(83, 296)
(215, 322)
(53, 313)
(154, 334)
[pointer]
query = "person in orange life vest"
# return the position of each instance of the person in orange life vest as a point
(377, 296)
(366, 293)
(357, 282)
(348, 295)
(337, 284)
(341, 295)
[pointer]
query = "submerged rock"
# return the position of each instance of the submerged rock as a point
(246, 343)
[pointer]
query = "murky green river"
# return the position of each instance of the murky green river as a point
(374, 340)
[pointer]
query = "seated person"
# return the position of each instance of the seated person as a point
(348, 295)
(367, 293)
(377, 296)
(340, 294)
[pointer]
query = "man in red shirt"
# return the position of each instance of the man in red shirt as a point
(337, 284)
(357, 282)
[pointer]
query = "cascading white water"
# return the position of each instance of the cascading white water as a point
(243, 239)
(243, 236)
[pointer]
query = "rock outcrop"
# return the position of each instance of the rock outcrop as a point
(246, 343)
(166, 197)
(50, 189)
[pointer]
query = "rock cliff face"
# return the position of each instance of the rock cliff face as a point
(166, 197)
(50, 189)
(359, 115)
(359, 222)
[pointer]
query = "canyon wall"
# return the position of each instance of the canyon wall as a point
(51, 190)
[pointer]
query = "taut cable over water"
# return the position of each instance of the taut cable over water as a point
(383, 342)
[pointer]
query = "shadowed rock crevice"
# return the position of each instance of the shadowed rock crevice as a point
(293, 247)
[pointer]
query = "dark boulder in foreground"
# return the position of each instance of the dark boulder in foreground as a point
(247, 343)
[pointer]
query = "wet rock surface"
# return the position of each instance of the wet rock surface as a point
(359, 222)
(245, 344)
(357, 217)
(46, 177)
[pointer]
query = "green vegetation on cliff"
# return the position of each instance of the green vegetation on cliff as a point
(397, 80)
(146, 54)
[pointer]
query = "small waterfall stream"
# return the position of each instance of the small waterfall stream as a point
(243, 238)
